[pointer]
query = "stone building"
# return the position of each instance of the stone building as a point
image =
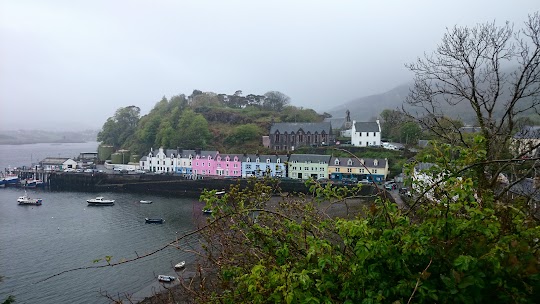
(289, 136)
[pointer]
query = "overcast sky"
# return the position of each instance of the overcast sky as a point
(71, 64)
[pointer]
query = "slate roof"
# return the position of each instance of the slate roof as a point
(187, 153)
(144, 158)
(231, 156)
(54, 160)
(303, 158)
(367, 126)
(528, 132)
(311, 127)
(264, 157)
(527, 189)
(368, 162)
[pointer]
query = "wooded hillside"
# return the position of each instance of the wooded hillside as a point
(227, 123)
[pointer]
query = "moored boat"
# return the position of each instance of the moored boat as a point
(32, 183)
(100, 201)
(207, 210)
(27, 200)
(145, 202)
(180, 265)
(154, 220)
(166, 278)
(9, 180)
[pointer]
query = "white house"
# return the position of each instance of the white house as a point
(58, 163)
(365, 134)
(163, 161)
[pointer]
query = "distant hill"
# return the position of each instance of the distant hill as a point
(367, 107)
(17, 137)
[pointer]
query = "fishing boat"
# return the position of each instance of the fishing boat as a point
(27, 200)
(9, 180)
(100, 201)
(154, 220)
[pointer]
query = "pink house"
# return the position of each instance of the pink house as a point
(211, 163)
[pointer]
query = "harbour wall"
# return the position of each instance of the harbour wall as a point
(164, 184)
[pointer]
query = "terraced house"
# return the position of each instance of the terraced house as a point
(264, 165)
(362, 169)
(162, 161)
(305, 166)
(212, 163)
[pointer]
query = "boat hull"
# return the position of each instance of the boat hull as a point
(100, 203)
(154, 220)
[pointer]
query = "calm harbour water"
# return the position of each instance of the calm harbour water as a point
(64, 233)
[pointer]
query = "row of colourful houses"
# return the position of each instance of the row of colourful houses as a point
(295, 166)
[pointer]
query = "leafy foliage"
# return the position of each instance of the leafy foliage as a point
(461, 247)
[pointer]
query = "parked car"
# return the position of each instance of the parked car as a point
(88, 171)
(69, 170)
(391, 185)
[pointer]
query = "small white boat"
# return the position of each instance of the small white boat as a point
(145, 202)
(166, 278)
(100, 201)
(207, 211)
(180, 265)
(27, 200)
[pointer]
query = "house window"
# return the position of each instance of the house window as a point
(360, 143)
(208, 164)
(257, 160)
(248, 160)
(374, 170)
(336, 162)
(268, 160)
(321, 169)
(349, 170)
(349, 162)
(306, 168)
(235, 165)
(248, 166)
(337, 170)
(278, 161)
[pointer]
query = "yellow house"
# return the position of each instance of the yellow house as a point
(362, 169)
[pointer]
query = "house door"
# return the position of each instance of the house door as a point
(300, 175)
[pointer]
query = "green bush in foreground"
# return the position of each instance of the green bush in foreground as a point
(459, 246)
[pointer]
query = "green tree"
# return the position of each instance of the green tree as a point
(120, 127)
(192, 130)
(275, 101)
(410, 133)
(245, 133)
(391, 123)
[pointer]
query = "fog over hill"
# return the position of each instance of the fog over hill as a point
(368, 107)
